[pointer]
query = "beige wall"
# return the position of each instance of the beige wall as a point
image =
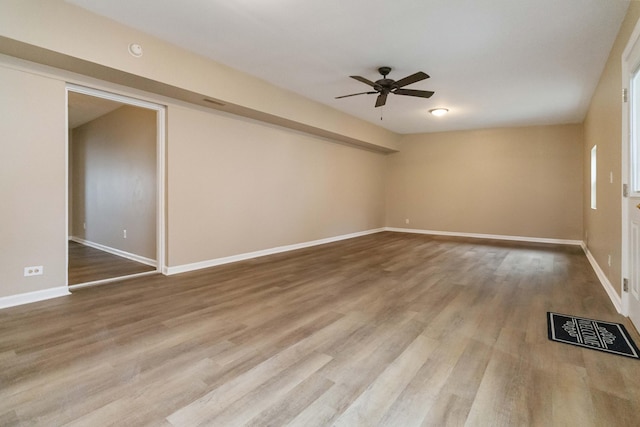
(32, 188)
(234, 185)
(603, 127)
(113, 164)
(513, 182)
(297, 187)
(237, 185)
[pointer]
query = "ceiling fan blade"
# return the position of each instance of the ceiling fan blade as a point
(382, 99)
(363, 80)
(411, 79)
(354, 94)
(413, 92)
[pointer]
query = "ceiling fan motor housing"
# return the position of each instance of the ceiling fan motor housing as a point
(384, 85)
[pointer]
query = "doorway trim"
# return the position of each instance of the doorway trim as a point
(628, 69)
(160, 174)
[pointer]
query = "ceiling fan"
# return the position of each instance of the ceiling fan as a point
(385, 86)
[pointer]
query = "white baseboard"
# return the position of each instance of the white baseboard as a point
(249, 255)
(29, 297)
(111, 280)
(114, 251)
(487, 236)
(606, 284)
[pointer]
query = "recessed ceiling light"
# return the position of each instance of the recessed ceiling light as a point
(439, 111)
(135, 49)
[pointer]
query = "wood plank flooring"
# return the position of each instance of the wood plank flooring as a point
(389, 329)
(87, 264)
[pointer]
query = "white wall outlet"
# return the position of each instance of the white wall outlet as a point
(84, 225)
(610, 177)
(609, 260)
(36, 270)
(406, 221)
(124, 234)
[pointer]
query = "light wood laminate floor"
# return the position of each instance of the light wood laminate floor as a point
(388, 329)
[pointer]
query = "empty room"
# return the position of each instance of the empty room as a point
(410, 213)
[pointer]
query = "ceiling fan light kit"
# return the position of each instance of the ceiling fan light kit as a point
(385, 86)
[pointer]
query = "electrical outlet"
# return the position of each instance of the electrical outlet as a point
(406, 221)
(124, 234)
(36, 270)
(84, 225)
(609, 260)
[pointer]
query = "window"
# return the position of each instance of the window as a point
(594, 155)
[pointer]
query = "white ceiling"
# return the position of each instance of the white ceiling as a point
(85, 108)
(493, 63)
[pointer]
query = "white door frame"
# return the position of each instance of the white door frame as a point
(628, 69)
(160, 171)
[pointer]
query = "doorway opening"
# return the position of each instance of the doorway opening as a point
(115, 187)
(631, 179)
